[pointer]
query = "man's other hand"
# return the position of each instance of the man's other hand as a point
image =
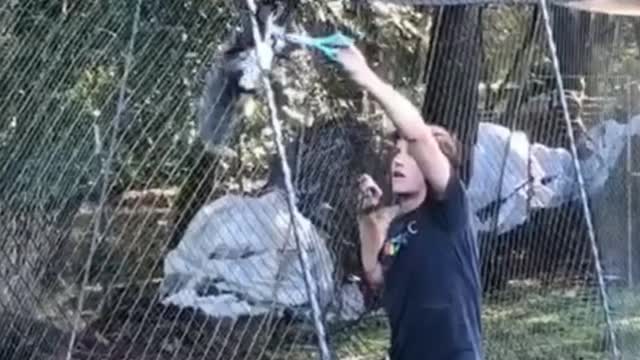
(371, 213)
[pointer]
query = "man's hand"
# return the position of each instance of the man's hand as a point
(371, 212)
(355, 65)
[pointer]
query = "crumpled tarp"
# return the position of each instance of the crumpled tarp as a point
(537, 174)
(239, 256)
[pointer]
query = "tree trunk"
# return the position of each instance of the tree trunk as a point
(453, 75)
(571, 31)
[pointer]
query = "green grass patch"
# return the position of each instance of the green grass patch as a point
(527, 324)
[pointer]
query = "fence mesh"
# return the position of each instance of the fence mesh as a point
(144, 209)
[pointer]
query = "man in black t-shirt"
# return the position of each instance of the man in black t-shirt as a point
(422, 249)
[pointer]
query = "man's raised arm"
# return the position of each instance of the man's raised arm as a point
(406, 118)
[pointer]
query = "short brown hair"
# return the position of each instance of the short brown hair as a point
(448, 143)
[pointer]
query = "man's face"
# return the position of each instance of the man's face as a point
(406, 177)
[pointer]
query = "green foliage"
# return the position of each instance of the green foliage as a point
(62, 74)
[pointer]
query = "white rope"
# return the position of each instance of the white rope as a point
(583, 192)
(311, 288)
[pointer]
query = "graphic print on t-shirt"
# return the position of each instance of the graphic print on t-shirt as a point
(396, 242)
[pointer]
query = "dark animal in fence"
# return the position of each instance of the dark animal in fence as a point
(326, 159)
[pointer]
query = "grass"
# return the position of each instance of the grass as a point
(527, 324)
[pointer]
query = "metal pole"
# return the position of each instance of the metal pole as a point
(630, 178)
(578, 169)
(310, 284)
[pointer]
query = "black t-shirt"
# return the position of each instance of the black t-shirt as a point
(432, 291)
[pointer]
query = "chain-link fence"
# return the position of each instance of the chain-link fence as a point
(145, 209)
